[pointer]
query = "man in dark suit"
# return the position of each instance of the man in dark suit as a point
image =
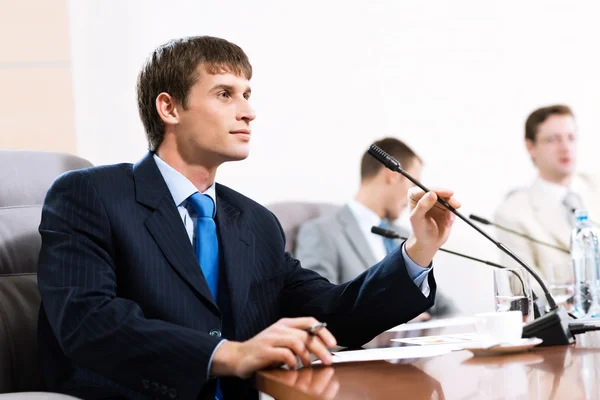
(157, 282)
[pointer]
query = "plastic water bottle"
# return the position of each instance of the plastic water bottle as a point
(586, 267)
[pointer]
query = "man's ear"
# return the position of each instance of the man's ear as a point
(167, 109)
(391, 177)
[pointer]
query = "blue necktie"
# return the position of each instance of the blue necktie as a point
(207, 244)
(207, 248)
(390, 244)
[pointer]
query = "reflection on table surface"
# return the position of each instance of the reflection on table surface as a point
(559, 372)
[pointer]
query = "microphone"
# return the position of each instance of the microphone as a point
(390, 234)
(484, 221)
(552, 327)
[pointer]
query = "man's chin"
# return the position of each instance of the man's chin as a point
(564, 173)
(236, 156)
(566, 170)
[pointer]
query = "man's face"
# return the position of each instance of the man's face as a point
(553, 151)
(399, 199)
(215, 126)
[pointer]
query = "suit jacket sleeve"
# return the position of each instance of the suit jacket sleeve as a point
(378, 299)
(94, 327)
(317, 252)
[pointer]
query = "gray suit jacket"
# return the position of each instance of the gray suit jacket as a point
(334, 246)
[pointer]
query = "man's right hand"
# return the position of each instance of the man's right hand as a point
(278, 344)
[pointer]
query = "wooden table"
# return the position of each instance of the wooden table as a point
(559, 372)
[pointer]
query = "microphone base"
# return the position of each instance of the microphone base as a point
(552, 328)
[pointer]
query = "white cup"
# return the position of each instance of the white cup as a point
(499, 327)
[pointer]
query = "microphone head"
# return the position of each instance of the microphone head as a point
(387, 233)
(384, 158)
(480, 219)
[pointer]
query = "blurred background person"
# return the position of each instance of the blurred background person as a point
(340, 246)
(544, 209)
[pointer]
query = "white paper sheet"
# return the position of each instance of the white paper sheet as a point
(436, 323)
(457, 338)
(390, 353)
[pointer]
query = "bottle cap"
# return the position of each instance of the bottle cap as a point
(581, 215)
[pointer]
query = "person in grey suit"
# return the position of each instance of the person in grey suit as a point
(340, 246)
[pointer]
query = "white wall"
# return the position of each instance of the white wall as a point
(455, 80)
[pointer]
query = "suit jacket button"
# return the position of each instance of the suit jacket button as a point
(163, 389)
(145, 383)
(172, 393)
(215, 332)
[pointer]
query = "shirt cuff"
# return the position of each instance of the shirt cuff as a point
(211, 357)
(417, 273)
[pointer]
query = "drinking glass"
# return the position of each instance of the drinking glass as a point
(560, 282)
(512, 291)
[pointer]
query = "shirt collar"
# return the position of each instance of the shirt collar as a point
(559, 192)
(554, 190)
(180, 187)
(364, 213)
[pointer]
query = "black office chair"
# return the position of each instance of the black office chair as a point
(25, 176)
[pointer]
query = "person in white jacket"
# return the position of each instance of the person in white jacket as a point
(544, 209)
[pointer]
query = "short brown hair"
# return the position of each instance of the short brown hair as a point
(369, 166)
(540, 115)
(173, 67)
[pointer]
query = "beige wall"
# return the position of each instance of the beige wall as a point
(36, 100)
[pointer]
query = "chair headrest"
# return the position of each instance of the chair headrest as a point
(26, 175)
(293, 214)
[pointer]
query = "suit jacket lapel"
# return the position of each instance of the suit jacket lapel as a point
(356, 237)
(167, 229)
(550, 215)
(236, 242)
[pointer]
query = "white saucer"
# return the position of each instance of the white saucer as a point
(481, 350)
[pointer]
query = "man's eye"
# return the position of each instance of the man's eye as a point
(247, 96)
(223, 95)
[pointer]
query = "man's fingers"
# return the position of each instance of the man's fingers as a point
(318, 348)
(453, 202)
(299, 323)
(450, 220)
(442, 192)
(415, 193)
(327, 337)
(425, 204)
(282, 355)
(301, 343)
(304, 323)
(295, 344)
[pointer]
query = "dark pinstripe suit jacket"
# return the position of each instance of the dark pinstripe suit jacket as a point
(126, 312)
